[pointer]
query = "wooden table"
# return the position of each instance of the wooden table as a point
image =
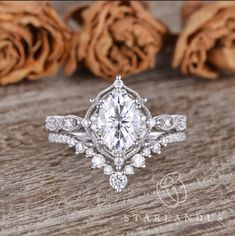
(45, 189)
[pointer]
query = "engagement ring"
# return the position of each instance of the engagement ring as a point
(118, 132)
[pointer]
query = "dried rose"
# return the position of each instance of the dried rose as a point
(207, 43)
(116, 37)
(33, 41)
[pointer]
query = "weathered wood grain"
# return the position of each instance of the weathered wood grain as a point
(45, 189)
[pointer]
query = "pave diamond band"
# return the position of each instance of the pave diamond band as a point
(118, 132)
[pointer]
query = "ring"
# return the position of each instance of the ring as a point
(118, 132)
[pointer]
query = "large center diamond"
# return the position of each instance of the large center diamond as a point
(119, 122)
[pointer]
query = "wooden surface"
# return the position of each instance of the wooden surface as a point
(45, 189)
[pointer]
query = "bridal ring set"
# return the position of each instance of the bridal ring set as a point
(118, 132)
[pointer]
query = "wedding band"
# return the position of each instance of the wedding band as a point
(118, 132)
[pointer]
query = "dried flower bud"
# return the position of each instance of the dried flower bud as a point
(33, 41)
(116, 37)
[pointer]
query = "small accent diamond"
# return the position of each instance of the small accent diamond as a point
(98, 161)
(164, 141)
(118, 82)
(71, 142)
(90, 152)
(156, 148)
(86, 123)
(94, 118)
(108, 170)
(118, 162)
(146, 152)
(138, 160)
(151, 122)
(80, 148)
(118, 181)
(94, 127)
(128, 170)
